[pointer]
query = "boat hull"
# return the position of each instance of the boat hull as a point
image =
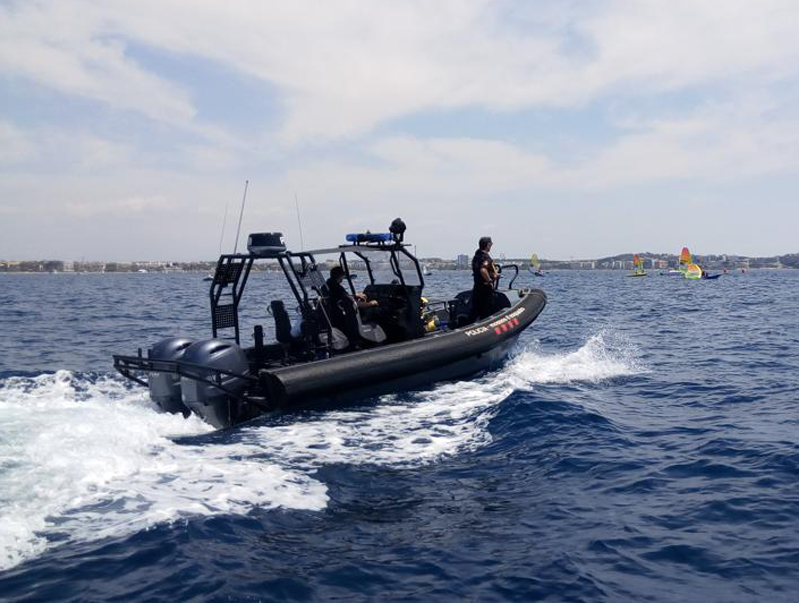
(439, 357)
(225, 395)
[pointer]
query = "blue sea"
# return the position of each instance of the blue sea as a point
(641, 444)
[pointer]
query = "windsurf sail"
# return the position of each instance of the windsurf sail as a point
(693, 271)
(685, 257)
(638, 266)
(535, 265)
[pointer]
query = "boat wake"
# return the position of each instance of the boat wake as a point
(85, 457)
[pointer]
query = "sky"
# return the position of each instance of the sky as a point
(569, 129)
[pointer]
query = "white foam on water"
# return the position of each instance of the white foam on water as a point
(606, 355)
(83, 459)
(422, 427)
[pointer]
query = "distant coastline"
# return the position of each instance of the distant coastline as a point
(652, 261)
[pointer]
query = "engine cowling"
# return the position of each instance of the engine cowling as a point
(201, 396)
(165, 387)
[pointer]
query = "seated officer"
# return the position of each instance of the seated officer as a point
(337, 292)
(342, 308)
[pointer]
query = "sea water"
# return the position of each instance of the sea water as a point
(641, 443)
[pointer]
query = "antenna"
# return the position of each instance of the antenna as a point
(299, 222)
(241, 213)
(224, 222)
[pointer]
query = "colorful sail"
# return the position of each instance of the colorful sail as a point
(685, 257)
(693, 271)
(638, 266)
(535, 265)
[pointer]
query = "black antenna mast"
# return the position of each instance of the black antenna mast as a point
(241, 213)
(224, 223)
(299, 222)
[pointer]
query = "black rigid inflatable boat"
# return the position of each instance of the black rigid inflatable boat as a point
(405, 342)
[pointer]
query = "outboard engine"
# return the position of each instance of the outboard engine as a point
(165, 387)
(209, 402)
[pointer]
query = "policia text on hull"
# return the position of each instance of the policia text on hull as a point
(343, 344)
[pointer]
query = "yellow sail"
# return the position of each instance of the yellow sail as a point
(535, 264)
(693, 271)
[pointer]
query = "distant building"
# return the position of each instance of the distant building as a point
(462, 261)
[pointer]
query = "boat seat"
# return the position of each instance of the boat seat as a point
(338, 339)
(282, 322)
(369, 331)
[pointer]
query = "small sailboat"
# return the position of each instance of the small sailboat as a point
(425, 268)
(694, 271)
(685, 261)
(535, 265)
(638, 267)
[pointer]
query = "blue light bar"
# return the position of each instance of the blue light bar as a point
(370, 237)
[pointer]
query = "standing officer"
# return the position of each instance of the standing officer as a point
(485, 273)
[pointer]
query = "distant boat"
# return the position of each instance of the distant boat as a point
(638, 265)
(694, 271)
(210, 277)
(142, 270)
(425, 268)
(535, 265)
(685, 261)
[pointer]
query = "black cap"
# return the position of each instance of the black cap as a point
(484, 241)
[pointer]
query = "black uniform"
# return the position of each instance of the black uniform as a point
(342, 310)
(482, 293)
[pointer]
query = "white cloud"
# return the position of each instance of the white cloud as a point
(62, 45)
(40, 147)
(717, 144)
(663, 46)
(15, 146)
(343, 68)
(152, 205)
(204, 158)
